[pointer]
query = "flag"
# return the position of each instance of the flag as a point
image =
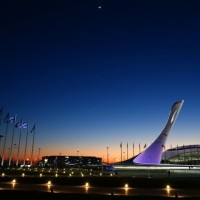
(19, 124)
(24, 125)
(121, 145)
(33, 129)
(12, 119)
(9, 119)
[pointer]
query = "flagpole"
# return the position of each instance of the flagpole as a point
(1, 136)
(184, 153)
(32, 145)
(133, 150)
(20, 133)
(139, 148)
(127, 150)
(121, 151)
(1, 114)
(11, 147)
(25, 147)
(4, 145)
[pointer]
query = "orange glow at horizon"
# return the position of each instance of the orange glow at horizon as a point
(112, 155)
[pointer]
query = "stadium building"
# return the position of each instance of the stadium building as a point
(186, 154)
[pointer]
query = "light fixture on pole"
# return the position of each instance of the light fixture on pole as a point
(107, 155)
(38, 154)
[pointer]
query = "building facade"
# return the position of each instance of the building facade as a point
(71, 161)
(186, 154)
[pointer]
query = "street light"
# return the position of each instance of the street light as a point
(77, 153)
(107, 154)
(38, 154)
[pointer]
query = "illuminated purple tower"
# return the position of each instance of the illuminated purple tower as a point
(152, 155)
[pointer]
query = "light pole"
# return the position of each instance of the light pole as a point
(77, 153)
(38, 154)
(107, 154)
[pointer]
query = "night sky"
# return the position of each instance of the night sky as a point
(91, 78)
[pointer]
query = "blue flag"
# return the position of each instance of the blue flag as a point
(24, 125)
(19, 124)
(9, 119)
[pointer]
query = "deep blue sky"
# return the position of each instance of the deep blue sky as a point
(90, 78)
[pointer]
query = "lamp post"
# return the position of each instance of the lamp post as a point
(38, 154)
(107, 154)
(77, 153)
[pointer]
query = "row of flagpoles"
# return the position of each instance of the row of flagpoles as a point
(20, 125)
(133, 149)
(145, 146)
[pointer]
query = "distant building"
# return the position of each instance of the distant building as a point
(186, 154)
(71, 161)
